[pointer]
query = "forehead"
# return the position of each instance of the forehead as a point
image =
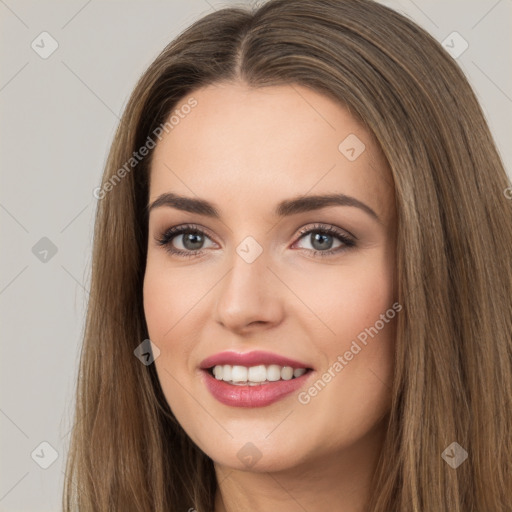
(246, 148)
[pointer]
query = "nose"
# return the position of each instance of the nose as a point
(250, 296)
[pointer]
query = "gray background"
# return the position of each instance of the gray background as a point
(58, 117)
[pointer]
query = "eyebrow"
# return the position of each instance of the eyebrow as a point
(285, 208)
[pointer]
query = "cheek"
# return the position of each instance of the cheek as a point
(358, 350)
(169, 301)
(345, 299)
(157, 304)
(365, 325)
(175, 303)
(171, 297)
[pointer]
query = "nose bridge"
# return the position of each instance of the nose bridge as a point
(248, 293)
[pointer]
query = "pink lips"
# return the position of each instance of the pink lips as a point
(253, 358)
(252, 396)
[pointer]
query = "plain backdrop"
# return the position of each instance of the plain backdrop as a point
(58, 117)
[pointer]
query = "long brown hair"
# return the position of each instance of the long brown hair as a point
(453, 366)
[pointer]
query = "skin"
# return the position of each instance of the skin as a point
(245, 150)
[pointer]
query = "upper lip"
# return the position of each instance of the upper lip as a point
(254, 358)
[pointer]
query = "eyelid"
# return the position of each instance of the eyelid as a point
(324, 226)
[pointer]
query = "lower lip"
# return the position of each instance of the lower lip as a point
(253, 396)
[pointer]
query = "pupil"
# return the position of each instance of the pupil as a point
(194, 239)
(322, 237)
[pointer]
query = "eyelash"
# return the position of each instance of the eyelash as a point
(167, 237)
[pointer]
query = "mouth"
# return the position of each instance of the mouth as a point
(253, 379)
(255, 386)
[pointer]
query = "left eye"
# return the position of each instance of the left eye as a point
(320, 240)
(321, 237)
(192, 239)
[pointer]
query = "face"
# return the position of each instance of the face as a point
(313, 282)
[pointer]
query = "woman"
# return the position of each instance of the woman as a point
(226, 365)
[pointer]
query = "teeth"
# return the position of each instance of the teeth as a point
(273, 372)
(225, 372)
(254, 375)
(217, 372)
(299, 371)
(238, 374)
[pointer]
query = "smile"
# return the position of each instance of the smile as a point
(243, 391)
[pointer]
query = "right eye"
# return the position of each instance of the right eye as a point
(192, 240)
